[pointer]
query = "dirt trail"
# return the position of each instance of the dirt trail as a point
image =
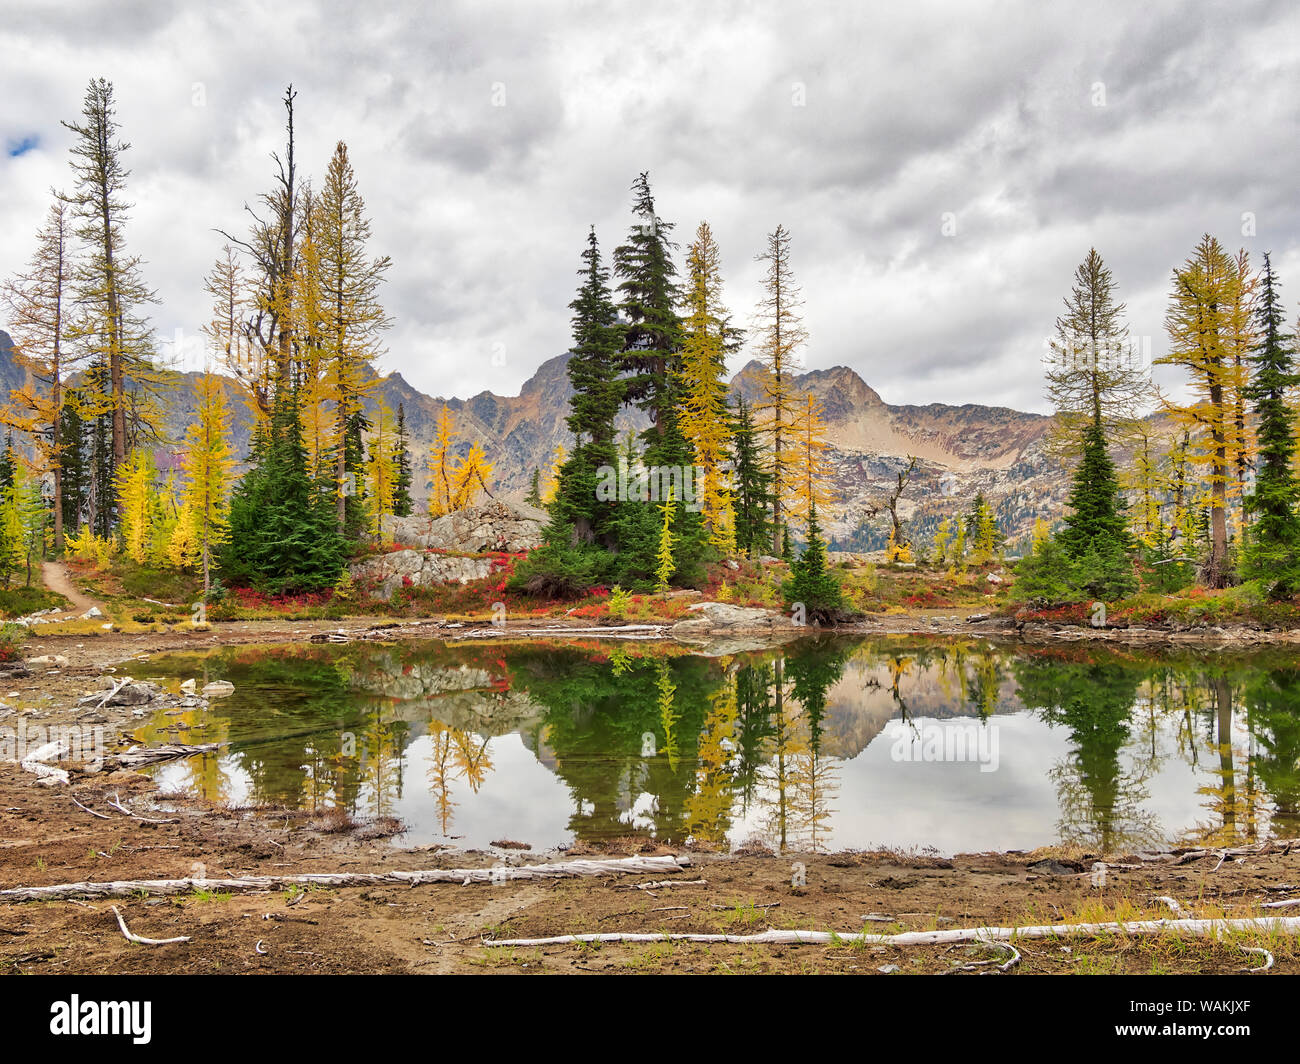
(55, 577)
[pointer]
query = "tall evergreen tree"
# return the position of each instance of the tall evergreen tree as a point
(402, 505)
(109, 285)
(1273, 548)
(8, 462)
(356, 515)
(652, 341)
(594, 372)
(752, 486)
(74, 462)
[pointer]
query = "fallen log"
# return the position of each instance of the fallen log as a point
(462, 876)
(152, 755)
(1285, 925)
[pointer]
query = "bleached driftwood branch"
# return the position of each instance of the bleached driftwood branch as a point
(1288, 925)
(116, 803)
(463, 876)
(140, 939)
(102, 816)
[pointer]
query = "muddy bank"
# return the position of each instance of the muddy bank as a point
(48, 839)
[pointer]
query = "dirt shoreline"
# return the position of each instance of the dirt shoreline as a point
(46, 838)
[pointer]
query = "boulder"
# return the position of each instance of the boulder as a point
(127, 693)
(388, 572)
(494, 526)
(733, 625)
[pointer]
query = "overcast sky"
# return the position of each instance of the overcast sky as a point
(487, 137)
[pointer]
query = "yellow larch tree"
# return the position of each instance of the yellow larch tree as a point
(314, 373)
(780, 335)
(470, 477)
(37, 305)
(1199, 322)
(227, 338)
(1147, 481)
(352, 317)
(811, 484)
(441, 464)
(704, 417)
(1241, 338)
(664, 556)
(136, 506)
(383, 467)
(207, 464)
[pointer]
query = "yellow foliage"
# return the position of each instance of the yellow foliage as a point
(812, 470)
(440, 465)
(553, 477)
(384, 447)
(87, 547)
(703, 417)
(183, 548)
(135, 499)
(470, 477)
(666, 567)
(898, 552)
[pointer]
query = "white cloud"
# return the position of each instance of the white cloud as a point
(483, 209)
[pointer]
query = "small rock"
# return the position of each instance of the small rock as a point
(218, 689)
(55, 660)
(189, 686)
(887, 969)
(92, 613)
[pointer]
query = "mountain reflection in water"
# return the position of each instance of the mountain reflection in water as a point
(826, 744)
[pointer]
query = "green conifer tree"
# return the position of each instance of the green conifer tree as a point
(1272, 552)
(810, 581)
(534, 496)
(402, 504)
(594, 372)
(752, 485)
(283, 528)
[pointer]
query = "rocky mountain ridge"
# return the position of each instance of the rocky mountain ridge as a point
(960, 449)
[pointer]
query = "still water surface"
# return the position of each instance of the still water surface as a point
(827, 745)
